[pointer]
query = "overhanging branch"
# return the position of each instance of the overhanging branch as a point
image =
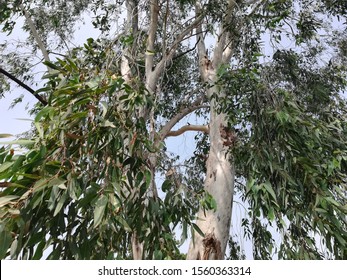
(187, 51)
(13, 78)
(161, 65)
(201, 128)
(181, 114)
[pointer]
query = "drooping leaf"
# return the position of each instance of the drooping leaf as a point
(99, 210)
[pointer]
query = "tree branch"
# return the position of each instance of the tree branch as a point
(221, 42)
(131, 27)
(200, 41)
(228, 50)
(161, 65)
(13, 78)
(175, 119)
(190, 127)
(153, 26)
(33, 30)
(187, 51)
(132, 15)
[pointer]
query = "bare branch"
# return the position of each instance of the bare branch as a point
(200, 38)
(131, 26)
(221, 42)
(187, 51)
(163, 62)
(13, 78)
(175, 119)
(228, 50)
(132, 15)
(153, 26)
(201, 128)
(165, 28)
(36, 35)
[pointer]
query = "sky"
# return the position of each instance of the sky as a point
(10, 119)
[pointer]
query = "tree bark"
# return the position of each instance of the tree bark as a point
(35, 34)
(219, 182)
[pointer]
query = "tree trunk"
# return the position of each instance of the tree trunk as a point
(220, 184)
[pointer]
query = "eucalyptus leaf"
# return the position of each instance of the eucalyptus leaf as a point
(5, 243)
(99, 210)
(197, 229)
(4, 135)
(19, 142)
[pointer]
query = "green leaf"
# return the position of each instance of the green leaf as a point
(270, 190)
(5, 166)
(94, 83)
(60, 203)
(18, 163)
(99, 210)
(148, 177)
(51, 65)
(35, 238)
(39, 250)
(51, 74)
(40, 185)
(158, 255)
(57, 182)
(166, 185)
(19, 142)
(104, 108)
(45, 111)
(184, 235)
(213, 203)
(196, 228)
(39, 128)
(4, 135)
(107, 123)
(271, 214)
(123, 223)
(5, 243)
(13, 249)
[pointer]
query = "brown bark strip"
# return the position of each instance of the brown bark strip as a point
(212, 248)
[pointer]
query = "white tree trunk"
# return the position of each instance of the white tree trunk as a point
(220, 184)
(220, 171)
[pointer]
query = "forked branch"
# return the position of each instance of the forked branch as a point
(179, 116)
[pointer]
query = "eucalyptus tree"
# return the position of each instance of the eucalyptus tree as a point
(272, 129)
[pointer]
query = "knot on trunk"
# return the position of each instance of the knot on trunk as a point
(212, 248)
(228, 136)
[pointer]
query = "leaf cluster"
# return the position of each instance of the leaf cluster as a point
(82, 186)
(292, 154)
